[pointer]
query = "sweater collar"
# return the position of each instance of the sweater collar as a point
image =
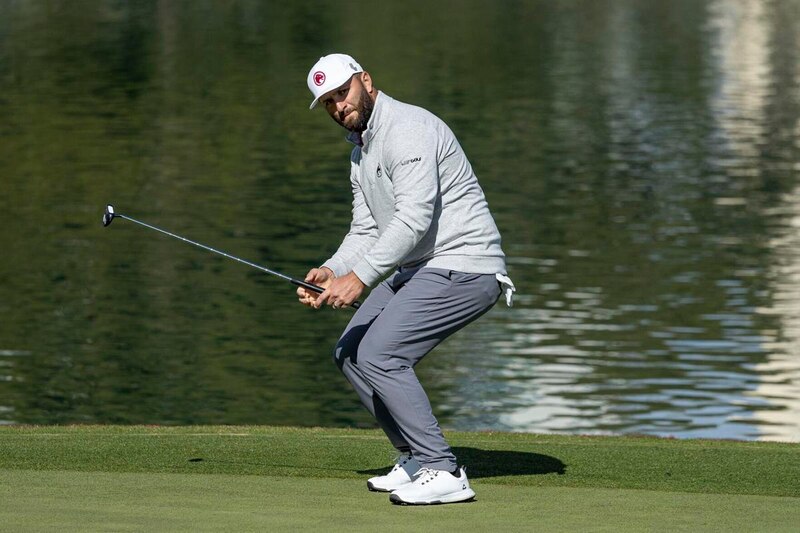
(363, 139)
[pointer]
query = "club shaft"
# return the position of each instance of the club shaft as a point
(298, 282)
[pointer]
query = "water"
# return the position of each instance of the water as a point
(641, 160)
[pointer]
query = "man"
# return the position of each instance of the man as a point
(417, 207)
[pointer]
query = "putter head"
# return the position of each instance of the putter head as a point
(108, 216)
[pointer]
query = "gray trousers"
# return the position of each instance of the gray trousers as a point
(402, 320)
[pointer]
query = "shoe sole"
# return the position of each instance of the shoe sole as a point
(373, 488)
(463, 496)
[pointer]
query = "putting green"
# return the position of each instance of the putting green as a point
(135, 478)
(100, 501)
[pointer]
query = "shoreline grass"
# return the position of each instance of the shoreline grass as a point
(254, 478)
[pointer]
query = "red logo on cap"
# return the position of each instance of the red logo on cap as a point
(319, 78)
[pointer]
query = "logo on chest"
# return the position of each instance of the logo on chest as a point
(379, 172)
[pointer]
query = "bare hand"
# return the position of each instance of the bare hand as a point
(340, 292)
(321, 277)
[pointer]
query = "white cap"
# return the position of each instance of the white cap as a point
(330, 72)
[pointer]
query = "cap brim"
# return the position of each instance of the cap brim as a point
(314, 103)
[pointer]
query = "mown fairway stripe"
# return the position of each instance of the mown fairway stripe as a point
(99, 501)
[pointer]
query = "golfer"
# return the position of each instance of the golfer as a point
(419, 214)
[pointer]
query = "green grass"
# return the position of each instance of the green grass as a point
(264, 478)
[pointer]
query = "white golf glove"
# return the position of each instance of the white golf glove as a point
(508, 288)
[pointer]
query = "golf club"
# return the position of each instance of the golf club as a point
(110, 215)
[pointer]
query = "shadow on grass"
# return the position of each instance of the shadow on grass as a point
(479, 463)
(495, 463)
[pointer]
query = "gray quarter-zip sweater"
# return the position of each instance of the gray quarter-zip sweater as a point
(416, 200)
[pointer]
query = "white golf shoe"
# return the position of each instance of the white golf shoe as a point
(402, 475)
(434, 487)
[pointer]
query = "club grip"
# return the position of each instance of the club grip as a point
(317, 289)
(309, 286)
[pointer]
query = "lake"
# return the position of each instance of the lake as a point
(641, 159)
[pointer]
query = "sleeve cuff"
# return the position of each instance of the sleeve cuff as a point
(338, 267)
(366, 273)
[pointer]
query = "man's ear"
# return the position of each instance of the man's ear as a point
(366, 81)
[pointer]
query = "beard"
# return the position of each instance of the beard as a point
(364, 110)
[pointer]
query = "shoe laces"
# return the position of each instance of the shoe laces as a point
(426, 475)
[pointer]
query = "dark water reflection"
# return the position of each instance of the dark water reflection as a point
(641, 159)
